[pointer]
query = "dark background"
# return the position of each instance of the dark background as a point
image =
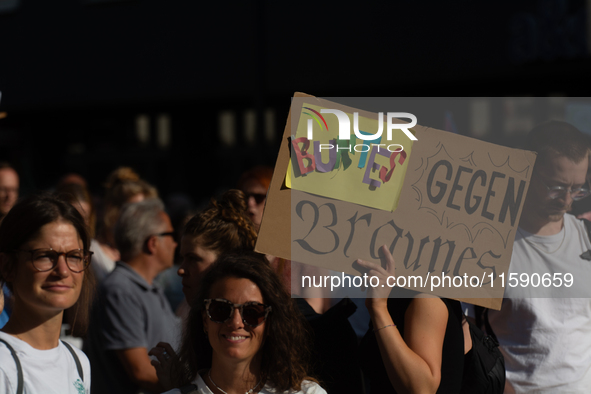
(77, 75)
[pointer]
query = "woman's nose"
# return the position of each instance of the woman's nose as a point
(61, 267)
(235, 321)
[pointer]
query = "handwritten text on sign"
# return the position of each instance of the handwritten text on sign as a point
(458, 217)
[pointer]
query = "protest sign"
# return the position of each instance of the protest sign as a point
(456, 218)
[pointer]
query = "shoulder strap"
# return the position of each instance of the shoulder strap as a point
(455, 308)
(76, 359)
(19, 369)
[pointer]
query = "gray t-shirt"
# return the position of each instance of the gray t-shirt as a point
(130, 313)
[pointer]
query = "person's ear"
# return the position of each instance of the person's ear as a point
(150, 245)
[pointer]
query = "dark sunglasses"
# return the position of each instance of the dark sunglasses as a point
(220, 310)
(165, 234)
(258, 197)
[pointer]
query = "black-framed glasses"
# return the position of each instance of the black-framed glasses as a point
(45, 260)
(164, 234)
(253, 313)
(258, 197)
(577, 194)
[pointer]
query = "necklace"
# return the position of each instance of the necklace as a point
(542, 250)
(251, 391)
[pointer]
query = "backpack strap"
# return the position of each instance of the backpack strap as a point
(76, 359)
(19, 369)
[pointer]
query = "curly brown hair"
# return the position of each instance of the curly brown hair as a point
(224, 226)
(284, 353)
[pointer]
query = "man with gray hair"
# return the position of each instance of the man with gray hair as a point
(132, 314)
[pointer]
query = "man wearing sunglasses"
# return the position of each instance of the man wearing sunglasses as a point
(545, 331)
(132, 313)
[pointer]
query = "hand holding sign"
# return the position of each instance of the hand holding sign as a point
(377, 296)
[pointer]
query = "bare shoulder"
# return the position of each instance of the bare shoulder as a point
(427, 307)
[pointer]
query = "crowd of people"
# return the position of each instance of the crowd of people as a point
(65, 263)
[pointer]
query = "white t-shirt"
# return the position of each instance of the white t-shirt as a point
(547, 341)
(50, 371)
(308, 387)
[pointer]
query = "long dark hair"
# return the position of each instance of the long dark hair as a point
(284, 353)
(23, 223)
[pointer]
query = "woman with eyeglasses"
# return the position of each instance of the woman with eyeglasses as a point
(243, 334)
(44, 259)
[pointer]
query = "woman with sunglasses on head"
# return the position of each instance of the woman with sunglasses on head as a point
(43, 259)
(243, 334)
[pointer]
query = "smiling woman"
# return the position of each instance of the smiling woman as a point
(43, 259)
(243, 334)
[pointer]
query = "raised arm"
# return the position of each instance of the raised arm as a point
(413, 363)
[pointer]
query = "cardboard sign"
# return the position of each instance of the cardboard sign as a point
(457, 215)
